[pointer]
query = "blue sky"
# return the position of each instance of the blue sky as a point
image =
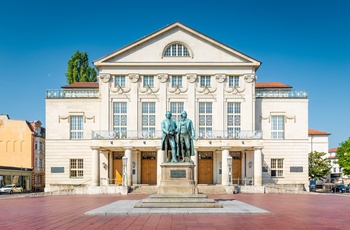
(302, 43)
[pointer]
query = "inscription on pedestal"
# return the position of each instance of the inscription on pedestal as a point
(177, 173)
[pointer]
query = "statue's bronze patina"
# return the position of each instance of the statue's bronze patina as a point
(186, 137)
(169, 137)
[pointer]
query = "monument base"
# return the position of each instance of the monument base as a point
(178, 201)
(177, 178)
(177, 189)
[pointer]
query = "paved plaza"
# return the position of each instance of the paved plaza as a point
(243, 211)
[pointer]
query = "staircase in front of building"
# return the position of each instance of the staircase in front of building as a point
(211, 189)
(143, 189)
(152, 189)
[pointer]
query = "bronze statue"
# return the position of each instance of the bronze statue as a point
(186, 136)
(169, 137)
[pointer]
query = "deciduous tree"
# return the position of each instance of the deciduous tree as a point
(319, 165)
(79, 69)
(343, 155)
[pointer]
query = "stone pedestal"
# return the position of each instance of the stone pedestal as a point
(177, 178)
(177, 189)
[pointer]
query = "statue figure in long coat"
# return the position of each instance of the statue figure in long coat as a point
(169, 137)
(186, 136)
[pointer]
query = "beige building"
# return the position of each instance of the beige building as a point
(16, 152)
(249, 133)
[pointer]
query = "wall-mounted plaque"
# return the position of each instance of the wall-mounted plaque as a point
(296, 168)
(57, 169)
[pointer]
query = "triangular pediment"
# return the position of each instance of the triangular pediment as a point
(150, 50)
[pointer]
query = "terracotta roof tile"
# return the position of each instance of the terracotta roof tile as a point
(81, 85)
(332, 150)
(271, 85)
(316, 132)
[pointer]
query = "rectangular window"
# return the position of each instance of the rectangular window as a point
(36, 145)
(204, 81)
(76, 127)
(205, 119)
(119, 81)
(176, 81)
(176, 108)
(148, 81)
(148, 119)
(233, 81)
(76, 168)
(120, 119)
(233, 119)
(277, 127)
(277, 167)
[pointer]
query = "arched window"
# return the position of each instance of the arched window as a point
(176, 50)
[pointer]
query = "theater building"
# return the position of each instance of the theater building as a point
(249, 133)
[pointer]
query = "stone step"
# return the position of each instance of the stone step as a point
(178, 201)
(152, 189)
(177, 205)
(178, 198)
(211, 189)
(143, 189)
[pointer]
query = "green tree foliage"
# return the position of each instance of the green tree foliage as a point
(343, 155)
(79, 69)
(319, 165)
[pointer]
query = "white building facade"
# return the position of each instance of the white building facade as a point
(249, 133)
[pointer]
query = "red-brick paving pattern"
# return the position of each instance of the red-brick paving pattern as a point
(288, 211)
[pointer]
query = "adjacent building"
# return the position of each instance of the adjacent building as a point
(17, 150)
(249, 132)
(38, 177)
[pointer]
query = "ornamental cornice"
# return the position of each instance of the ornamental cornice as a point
(134, 77)
(191, 77)
(105, 77)
(249, 77)
(163, 77)
(220, 77)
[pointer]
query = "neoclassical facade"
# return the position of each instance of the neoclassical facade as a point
(249, 133)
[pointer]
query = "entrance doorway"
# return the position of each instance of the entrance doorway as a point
(149, 168)
(236, 167)
(205, 167)
(118, 167)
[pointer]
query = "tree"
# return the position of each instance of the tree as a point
(79, 69)
(319, 165)
(343, 155)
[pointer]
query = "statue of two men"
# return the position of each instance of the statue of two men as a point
(186, 134)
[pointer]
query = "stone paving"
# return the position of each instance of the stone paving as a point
(285, 211)
(126, 207)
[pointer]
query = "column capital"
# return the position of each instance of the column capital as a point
(95, 147)
(258, 147)
(127, 148)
